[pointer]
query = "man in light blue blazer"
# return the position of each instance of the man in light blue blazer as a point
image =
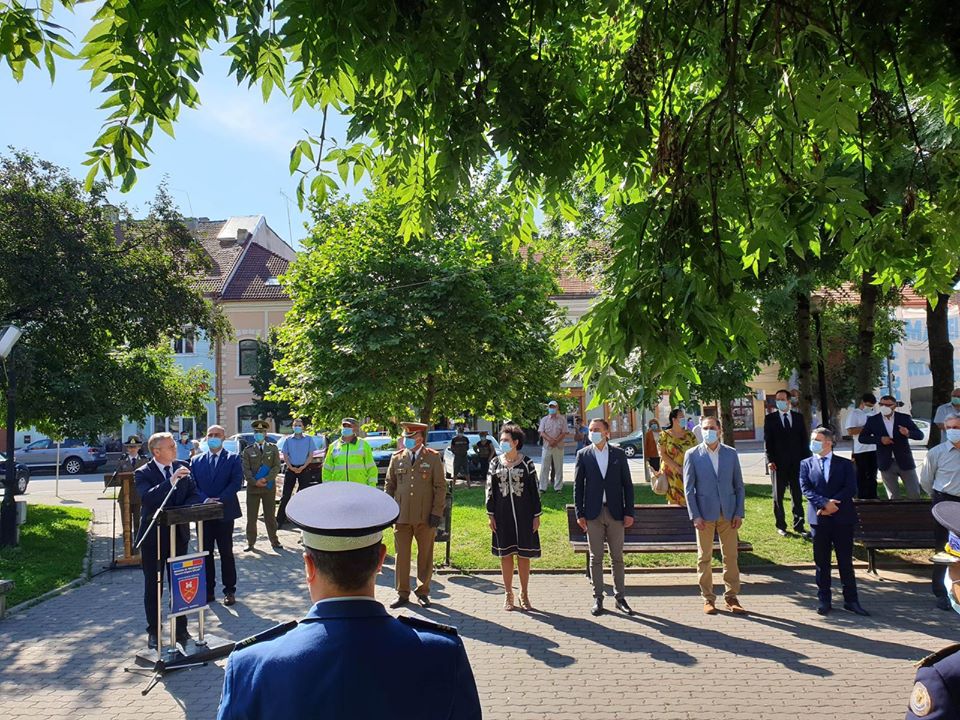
(713, 486)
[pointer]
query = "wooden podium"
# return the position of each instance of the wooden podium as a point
(128, 502)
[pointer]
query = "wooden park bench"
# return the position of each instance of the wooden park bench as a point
(6, 586)
(893, 525)
(656, 529)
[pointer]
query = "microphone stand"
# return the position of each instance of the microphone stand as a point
(113, 536)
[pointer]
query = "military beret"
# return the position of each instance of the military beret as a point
(340, 516)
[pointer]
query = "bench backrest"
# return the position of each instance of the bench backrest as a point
(901, 519)
(652, 523)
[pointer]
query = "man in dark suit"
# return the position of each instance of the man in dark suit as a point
(785, 440)
(154, 480)
(603, 495)
(219, 475)
(892, 432)
(829, 483)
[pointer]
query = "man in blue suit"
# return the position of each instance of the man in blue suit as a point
(892, 432)
(829, 483)
(219, 475)
(713, 487)
(321, 668)
(603, 496)
(154, 480)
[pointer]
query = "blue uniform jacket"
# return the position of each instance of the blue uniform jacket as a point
(589, 485)
(936, 689)
(875, 429)
(350, 659)
(153, 487)
(817, 490)
(711, 494)
(224, 483)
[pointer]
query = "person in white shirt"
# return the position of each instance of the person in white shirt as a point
(940, 479)
(948, 408)
(553, 432)
(864, 454)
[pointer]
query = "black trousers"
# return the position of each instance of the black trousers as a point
(866, 463)
(148, 558)
(484, 468)
(940, 534)
(220, 533)
(830, 538)
(304, 480)
(783, 478)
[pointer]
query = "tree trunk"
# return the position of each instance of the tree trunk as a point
(804, 357)
(726, 418)
(429, 397)
(866, 330)
(941, 359)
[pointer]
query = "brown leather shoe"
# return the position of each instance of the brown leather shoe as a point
(229, 599)
(734, 606)
(709, 608)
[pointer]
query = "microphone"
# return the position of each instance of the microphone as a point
(268, 634)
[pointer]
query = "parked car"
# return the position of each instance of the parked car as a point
(631, 444)
(924, 427)
(473, 462)
(23, 474)
(383, 447)
(76, 456)
(236, 443)
(439, 439)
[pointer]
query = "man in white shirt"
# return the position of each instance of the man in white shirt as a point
(553, 432)
(940, 479)
(864, 454)
(948, 408)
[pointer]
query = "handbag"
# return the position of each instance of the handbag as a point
(659, 483)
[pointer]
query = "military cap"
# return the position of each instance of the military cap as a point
(948, 515)
(260, 425)
(412, 428)
(133, 440)
(340, 516)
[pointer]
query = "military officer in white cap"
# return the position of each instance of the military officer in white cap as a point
(321, 668)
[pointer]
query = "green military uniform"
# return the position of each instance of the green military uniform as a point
(126, 464)
(263, 491)
(350, 461)
(418, 486)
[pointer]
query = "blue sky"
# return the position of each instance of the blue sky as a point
(230, 156)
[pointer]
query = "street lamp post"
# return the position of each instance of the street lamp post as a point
(821, 370)
(8, 508)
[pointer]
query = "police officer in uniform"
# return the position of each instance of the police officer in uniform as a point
(415, 480)
(130, 462)
(321, 668)
(350, 458)
(938, 677)
(460, 447)
(485, 453)
(261, 463)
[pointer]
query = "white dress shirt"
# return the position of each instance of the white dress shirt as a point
(941, 470)
(714, 456)
(603, 461)
(785, 420)
(888, 424)
(825, 465)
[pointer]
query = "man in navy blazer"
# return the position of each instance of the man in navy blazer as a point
(713, 487)
(829, 483)
(892, 432)
(603, 496)
(153, 481)
(219, 475)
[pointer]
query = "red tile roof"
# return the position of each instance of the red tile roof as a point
(249, 282)
(223, 258)
(848, 294)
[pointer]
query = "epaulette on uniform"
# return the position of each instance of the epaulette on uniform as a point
(430, 451)
(399, 452)
(421, 624)
(939, 655)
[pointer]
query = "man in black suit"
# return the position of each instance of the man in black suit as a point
(786, 442)
(603, 496)
(829, 482)
(219, 475)
(153, 482)
(892, 432)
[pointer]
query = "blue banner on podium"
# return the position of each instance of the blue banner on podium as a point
(188, 584)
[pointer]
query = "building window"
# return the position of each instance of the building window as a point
(248, 357)
(246, 414)
(184, 345)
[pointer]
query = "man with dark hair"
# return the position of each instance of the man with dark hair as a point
(347, 629)
(864, 454)
(460, 448)
(786, 444)
(891, 432)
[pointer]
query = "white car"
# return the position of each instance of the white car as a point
(925, 429)
(473, 463)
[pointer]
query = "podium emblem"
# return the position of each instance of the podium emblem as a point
(188, 589)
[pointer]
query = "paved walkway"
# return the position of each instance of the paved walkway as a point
(65, 657)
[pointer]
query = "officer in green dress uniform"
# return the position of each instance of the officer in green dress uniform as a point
(936, 690)
(261, 463)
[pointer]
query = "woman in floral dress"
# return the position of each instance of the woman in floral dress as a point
(674, 442)
(513, 506)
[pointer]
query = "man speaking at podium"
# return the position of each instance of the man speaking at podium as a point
(153, 482)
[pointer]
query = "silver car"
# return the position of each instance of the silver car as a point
(76, 456)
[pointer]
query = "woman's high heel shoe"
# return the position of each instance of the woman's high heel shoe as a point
(508, 602)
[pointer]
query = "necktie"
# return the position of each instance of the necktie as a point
(786, 421)
(215, 456)
(166, 472)
(823, 467)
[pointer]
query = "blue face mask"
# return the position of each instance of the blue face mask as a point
(782, 405)
(506, 446)
(409, 443)
(955, 400)
(552, 411)
(948, 584)
(710, 436)
(214, 443)
(259, 437)
(953, 435)
(346, 432)
(816, 447)
(297, 430)
(596, 437)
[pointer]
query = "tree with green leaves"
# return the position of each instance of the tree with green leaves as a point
(449, 323)
(98, 299)
(268, 353)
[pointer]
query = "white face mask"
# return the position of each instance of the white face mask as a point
(886, 410)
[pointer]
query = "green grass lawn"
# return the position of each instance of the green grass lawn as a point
(470, 549)
(53, 544)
